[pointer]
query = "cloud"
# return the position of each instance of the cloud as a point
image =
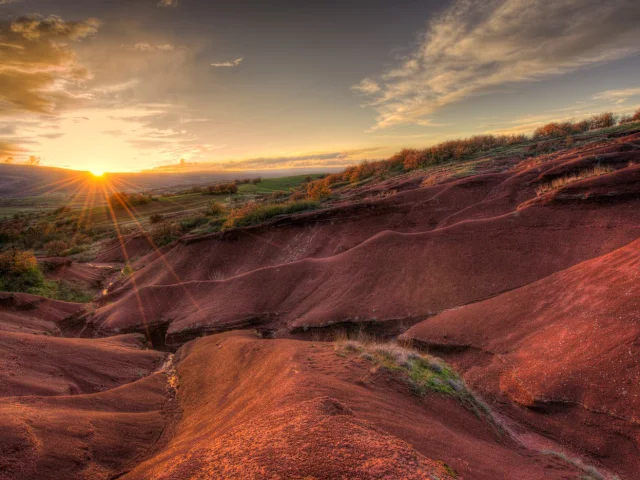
(617, 96)
(37, 64)
(335, 159)
(147, 47)
(167, 3)
(366, 86)
(9, 150)
(235, 63)
(475, 46)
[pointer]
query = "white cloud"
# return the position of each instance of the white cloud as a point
(366, 86)
(618, 96)
(167, 3)
(235, 63)
(147, 47)
(475, 46)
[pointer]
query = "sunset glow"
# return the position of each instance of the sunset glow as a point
(140, 85)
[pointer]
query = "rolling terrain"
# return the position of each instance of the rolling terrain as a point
(227, 354)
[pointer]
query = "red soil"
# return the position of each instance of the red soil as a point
(20, 312)
(130, 248)
(255, 409)
(90, 275)
(81, 436)
(568, 346)
(534, 298)
(456, 257)
(44, 365)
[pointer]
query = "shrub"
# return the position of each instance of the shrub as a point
(253, 213)
(631, 118)
(318, 190)
(80, 239)
(221, 188)
(56, 248)
(156, 218)
(189, 223)
(214, 208)
(19, 271)
(297, 196)
(278, 194)
(603, 120)
(124, 199)
(165, 233)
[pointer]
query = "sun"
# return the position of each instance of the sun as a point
(96, 172)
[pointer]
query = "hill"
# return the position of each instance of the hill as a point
(470, 318)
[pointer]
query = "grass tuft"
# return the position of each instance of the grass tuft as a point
(560, 182)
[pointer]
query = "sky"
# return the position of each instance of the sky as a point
(130, 85)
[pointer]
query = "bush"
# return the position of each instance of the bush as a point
(214, 208)
(124, 199)
(603, 120)
(189, 223)
(165, 233)
(318, 190)
(19, 272)
(631, 118)
(297, 196)
(221, 188)
(56, 248)
(253, 213)
(156, 218)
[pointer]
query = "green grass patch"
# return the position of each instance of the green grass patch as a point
(255, 213)
(423, 373)
(270, 185)
(64, 291)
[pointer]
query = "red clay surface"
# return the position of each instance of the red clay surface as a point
(20, 312)
(255, 408)
(402, 258)
(90, 275)
(568, 346)
(534, 298)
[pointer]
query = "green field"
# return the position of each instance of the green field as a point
(270, 185)
(172, 206)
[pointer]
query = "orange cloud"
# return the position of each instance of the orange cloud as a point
(37, 64)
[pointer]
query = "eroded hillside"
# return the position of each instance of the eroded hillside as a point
(217, 356)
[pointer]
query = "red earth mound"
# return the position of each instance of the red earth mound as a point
(24, 313)
(127, 249)
(81, 436)
(435, 247)
(90, 275)
(44, 365)
(255, 408)
(566, 348)
(413, 276)
(523, 273)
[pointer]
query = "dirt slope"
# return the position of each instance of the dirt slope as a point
(414, 275)
(21, 312)
(566, 347)
(532, 294)
(319, 415)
